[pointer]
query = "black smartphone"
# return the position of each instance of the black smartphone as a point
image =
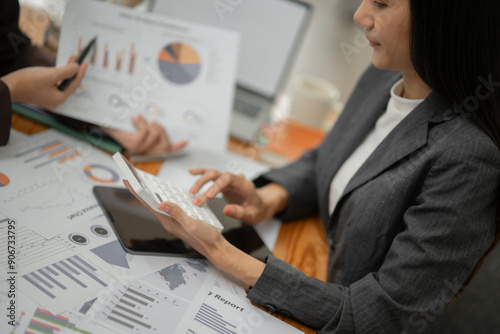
(140, 233)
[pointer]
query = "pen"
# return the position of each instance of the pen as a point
(79, 61)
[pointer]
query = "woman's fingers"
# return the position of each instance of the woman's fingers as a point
(154, 138)
(72, 59)
(220, 183)
(197, 171)
(209, 175)
(174, 211)
(171, 224)
(77, 80)
(246, 214)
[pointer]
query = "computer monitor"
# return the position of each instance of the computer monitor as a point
(271, 32)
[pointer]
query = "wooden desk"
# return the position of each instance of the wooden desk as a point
(302, 243)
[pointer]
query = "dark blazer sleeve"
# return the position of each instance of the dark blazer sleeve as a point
(299, 179)
(16, 50)
(445, 232)
(5, 114)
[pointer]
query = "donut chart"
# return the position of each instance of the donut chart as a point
(4, 180)
(100, 173)
(179, 63)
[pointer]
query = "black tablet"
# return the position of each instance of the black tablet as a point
(140, 233)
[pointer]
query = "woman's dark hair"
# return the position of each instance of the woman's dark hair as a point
(455, 48)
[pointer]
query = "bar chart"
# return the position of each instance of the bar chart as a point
(208, 320)
(55, 151)
(64, 283)
(45, 322)
(120, 59)
(139, 308)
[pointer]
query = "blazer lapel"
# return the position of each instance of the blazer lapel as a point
(355, 122)
(406, 138)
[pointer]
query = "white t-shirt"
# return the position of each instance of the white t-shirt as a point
(397, 109)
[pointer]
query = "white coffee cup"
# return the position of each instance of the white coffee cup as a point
(312, 99)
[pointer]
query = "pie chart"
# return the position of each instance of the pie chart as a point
(4, 180)
(179, 63)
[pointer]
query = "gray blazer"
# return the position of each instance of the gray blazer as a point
(409, 227)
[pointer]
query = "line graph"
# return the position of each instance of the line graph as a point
(32, 248)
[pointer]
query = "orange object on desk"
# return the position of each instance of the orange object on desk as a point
(292, 139)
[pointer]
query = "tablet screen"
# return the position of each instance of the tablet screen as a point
(141, 233)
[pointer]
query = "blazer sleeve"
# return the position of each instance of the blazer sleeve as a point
(444, 234)
(16, 50)
(5, 114)
(299, 179)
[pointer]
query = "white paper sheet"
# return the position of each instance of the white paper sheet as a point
(227, 310)
(163, 302)
(48, 180)
(179, 73)
(96, 240)
(32, 318)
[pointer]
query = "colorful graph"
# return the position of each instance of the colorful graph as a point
(179, 63)
(124, 60)
(94, 171)
(132, 59)
(4, 180)
(54, 151)
(45, 322)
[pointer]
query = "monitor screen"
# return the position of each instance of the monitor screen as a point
(270, 31)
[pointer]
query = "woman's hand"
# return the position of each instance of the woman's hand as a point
(202, 236)
(38, 85)
(150, 138)
(247, 203)
(205, 239)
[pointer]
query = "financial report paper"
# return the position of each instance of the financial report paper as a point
(178, 73)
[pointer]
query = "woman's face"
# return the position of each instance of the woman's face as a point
(387, 24)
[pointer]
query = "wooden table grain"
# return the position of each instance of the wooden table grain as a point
(301, 243)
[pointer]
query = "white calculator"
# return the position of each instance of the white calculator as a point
(154, 190)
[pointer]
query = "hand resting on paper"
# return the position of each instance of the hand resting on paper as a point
(150, 138)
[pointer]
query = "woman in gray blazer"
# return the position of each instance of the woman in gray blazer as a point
(407, 182)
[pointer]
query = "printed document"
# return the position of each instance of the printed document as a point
(172, 71)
